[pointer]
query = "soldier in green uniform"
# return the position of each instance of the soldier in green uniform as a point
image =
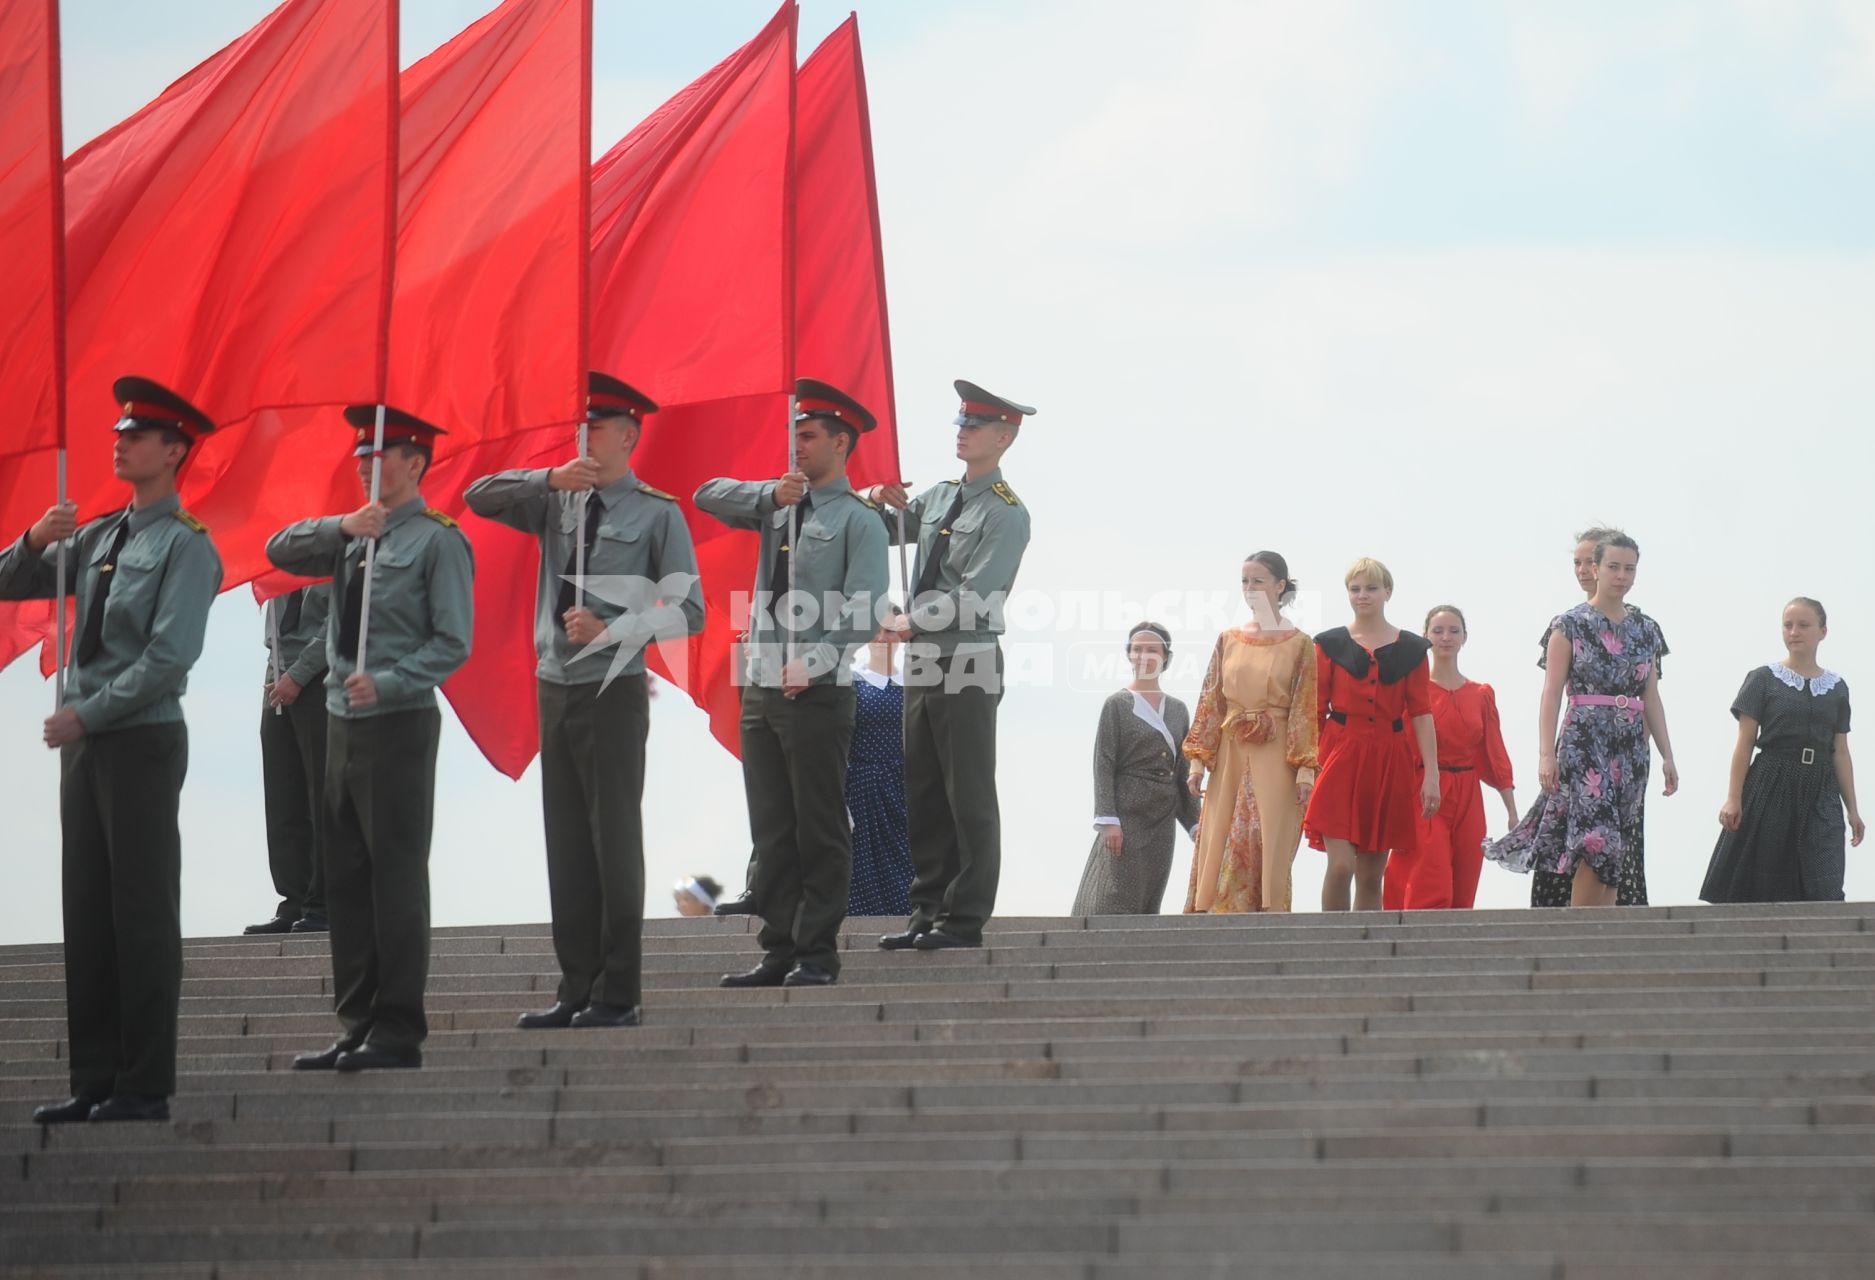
(797, 700)
(144, 578)
(641, 584)
(293, 757)
(381, 734)
(971, 535)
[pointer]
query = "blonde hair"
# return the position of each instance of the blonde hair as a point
(1368, 567)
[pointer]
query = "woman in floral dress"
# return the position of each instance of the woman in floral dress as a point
(1254, 729)
(1594, 771)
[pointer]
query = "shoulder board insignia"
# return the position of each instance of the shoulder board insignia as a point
(441, 517)
(1007, 494)
(190, 520)
(865, 501)
(656, 493)
(953, 482)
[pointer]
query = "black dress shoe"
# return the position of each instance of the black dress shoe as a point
(561, 1015)
(373, 1058)
(67, 1112)
(312, 922)
(809, 975)
(938, 940)
(325, 1060)
(762, 975)
(902, 941)
(130, 1106)
(279, 924)
(743, 906)
(598, 1014)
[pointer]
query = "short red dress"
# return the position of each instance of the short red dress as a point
(1368, 790)
(1441, 870)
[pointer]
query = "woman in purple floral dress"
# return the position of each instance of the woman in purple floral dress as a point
(1588, 820)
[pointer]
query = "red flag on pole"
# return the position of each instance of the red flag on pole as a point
(32, 228)
(232, 240)
(488, 322)
(689, 301)
(32, 244)
(840, 330)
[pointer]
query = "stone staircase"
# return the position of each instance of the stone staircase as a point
(1570, 1095)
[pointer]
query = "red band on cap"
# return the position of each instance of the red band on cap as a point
(158, 413)
(976, 410)
(602, 400)
(810, 407)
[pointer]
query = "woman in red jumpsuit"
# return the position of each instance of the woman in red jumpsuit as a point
(1441, 868)
(1370, 681)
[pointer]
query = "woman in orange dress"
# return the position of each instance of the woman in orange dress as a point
(1254, 730)
(1441, 869)
(1370, 681)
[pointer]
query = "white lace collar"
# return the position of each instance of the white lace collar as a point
(1818, 687)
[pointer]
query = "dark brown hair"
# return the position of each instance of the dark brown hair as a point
(1280, 567)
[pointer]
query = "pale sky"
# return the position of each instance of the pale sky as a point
(1438, 281)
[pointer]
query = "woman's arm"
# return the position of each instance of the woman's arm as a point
(1655, 717)
(1734, 806)
(1845, 782)
(1549, 708)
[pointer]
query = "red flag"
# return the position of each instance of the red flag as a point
(488, 323)
(690, 263)
(840, 330)
(232, 240)
(32, 223)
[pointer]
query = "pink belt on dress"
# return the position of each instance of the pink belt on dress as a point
(1606, 700)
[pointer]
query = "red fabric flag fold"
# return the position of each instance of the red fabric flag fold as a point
(32, 326)
(231, 240)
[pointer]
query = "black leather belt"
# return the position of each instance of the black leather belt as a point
(1341, 717)
(1454, 768)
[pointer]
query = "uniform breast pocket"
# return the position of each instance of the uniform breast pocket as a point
(966, 531)
(138, 577)
(621, 551)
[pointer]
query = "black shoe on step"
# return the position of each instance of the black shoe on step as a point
(325, 1059)
(600, 1014)
(130, 1106)
(938, 940)
(762, 975)
(279, 924)
(809, 975)
(373, 1058)
(743, 906)
(312, 922)
(903, 941)
(560, 1015)
(69, 1111)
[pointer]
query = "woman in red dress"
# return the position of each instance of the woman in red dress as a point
(1441, 868)
(1370, 680)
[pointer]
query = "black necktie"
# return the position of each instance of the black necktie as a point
(91, 637)
(934, 558)
(290, 615)
(778, 571)
(354, 609)
(565, 601)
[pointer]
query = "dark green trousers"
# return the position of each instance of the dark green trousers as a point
(592, 784)
(122, 870)
(950, 788)
(379, 800)
(794, 769)
(292, 774)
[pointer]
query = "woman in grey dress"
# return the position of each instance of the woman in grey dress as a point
(1139, 792)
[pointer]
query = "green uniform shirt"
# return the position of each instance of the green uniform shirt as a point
(839, 566)
(978, 558)
(154, 616)
(299, 651)
(422, 602)
(639, 534)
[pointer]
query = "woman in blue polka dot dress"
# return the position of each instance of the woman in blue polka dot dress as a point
(875, 787)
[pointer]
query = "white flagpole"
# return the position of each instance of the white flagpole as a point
(58, 681)
(579, 534)
(371, 546)
(273, 650)
(904, 572)
(794, 524)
